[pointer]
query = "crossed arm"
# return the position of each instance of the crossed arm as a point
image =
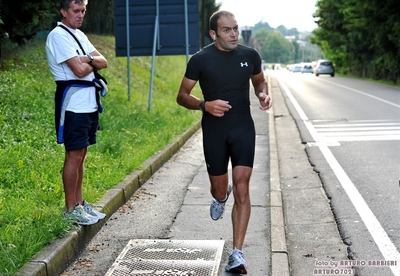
(81, 67)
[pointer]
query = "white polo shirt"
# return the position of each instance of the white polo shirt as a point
(61, 46)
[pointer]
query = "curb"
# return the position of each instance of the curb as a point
(57, 256)
(279, 252)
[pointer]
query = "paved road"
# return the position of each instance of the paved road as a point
(352, 131)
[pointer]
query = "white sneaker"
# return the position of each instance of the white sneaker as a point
(79, 216)
(88, 209)
(236, 263)
(217, 207)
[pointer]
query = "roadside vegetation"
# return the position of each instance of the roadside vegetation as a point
(360, 37)
(31, 191)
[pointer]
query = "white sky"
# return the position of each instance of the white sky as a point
(290, 13)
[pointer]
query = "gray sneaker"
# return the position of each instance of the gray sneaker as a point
(79, 216)
(236, 263)
(88, 209)
(217, 208)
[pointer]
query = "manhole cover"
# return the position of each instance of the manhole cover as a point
(168, 257)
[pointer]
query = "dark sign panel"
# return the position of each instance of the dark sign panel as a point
(246, 34)
(171, 32)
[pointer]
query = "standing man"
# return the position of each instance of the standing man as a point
(223, 70)
(77, 103)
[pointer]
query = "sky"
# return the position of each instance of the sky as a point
(290, 13)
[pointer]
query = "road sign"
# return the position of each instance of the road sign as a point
(172, 29)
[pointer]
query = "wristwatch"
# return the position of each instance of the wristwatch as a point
(203, 106)
(91, 58)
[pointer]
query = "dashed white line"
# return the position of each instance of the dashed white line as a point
(359, 131)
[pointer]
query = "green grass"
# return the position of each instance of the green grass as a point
(31, 192)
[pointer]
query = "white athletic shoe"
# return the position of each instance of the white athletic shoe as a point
(217, 207)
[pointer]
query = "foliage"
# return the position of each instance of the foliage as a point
(361, 37)
(23, 19)
(31, 192)
(99, 17)
(276, 49)
(261, 26)
(285, 32)
(206, 9)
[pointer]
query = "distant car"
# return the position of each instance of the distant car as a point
(325, 67)
(297, 68)
(307, 68)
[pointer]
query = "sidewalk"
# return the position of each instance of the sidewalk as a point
(291, 220)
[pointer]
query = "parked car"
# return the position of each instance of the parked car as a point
(307, 68)
(325, 67)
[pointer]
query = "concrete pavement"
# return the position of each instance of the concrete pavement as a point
(290, 228)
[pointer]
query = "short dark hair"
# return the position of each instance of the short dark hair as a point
(64, 4)
(213, 23)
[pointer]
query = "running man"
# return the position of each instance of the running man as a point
(223, 70)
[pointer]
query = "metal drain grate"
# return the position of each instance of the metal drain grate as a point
(168, 257)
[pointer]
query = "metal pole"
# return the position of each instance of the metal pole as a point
(186, 31)
(128, 46)
(153, 63)
(155, 46)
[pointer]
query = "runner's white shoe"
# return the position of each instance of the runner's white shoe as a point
(217, 207)
(236, 263)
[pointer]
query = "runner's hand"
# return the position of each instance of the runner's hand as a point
(217, 108)
(265, 101)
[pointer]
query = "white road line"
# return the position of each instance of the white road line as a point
(363, 93)
(359, 132)
(333, 129)
(360, 138)
(357, 125)
(382, 240)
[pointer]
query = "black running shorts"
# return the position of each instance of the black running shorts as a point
(231, 136)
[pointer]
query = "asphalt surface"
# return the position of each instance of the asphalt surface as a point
(291, 225)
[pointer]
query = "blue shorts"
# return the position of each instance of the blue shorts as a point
(80, 130)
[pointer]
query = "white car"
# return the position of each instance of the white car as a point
(297, 68)
(325, 67)
(307, 68)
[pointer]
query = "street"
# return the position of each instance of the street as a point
(352, 132)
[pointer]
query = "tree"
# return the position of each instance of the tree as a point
(22, 19)
(273, 47)
(288, 32)
(276, 49)
(99, 17)
(206, 8)
(295, 47)
(361, 37)
(261, 26)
